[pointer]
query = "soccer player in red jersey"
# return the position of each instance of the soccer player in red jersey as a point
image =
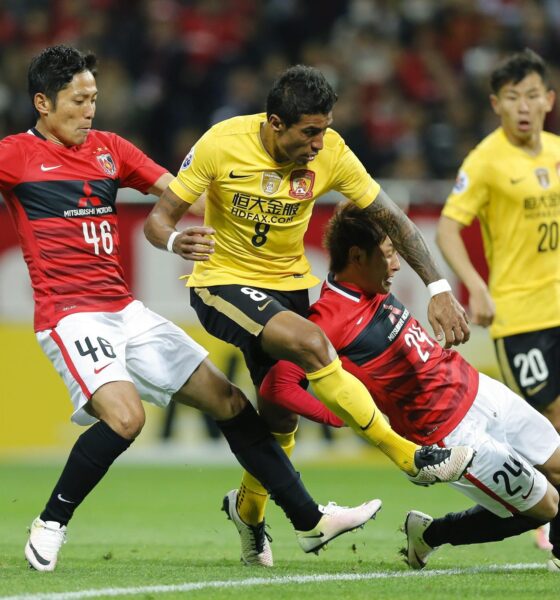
(429, 394)
(60, 181)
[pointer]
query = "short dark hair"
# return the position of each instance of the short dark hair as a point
(351, 226)
(53, 69)
(300, 90)
(516, 67)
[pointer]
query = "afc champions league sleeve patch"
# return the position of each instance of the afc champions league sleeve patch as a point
(461, 183)
(188, 160)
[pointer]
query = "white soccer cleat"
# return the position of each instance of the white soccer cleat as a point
(255, 541)
(441, 465)
(553, 564)
(335, 521)
(541, 537)
(44, 543)
(417, 550)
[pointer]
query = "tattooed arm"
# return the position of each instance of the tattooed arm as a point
(447, 317)
(191, 243)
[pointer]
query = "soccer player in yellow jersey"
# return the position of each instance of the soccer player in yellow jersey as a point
(511, 183)
(261, 174)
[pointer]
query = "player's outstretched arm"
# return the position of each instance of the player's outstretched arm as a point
(191, 243)
(282, 386)
(447, 317)
(450, 242)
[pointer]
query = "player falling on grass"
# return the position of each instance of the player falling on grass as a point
(262, 174)
(60, 181)
(511, 183)
(430, 395)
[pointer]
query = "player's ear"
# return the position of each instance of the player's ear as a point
(276, 123)
(550, 98)
(495, 103)
(42, 104)
(355, 255)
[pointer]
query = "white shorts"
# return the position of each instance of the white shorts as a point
(509, 437)
(90, 349)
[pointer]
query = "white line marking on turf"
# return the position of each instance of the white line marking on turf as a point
(254, 581)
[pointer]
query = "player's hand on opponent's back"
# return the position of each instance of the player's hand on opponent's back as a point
(448, 319)
(482, 307)
(194, 243)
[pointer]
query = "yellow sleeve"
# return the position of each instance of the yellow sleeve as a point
(351, 178)
(198, 169)
(470, 193)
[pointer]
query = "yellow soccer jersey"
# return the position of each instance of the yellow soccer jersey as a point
(261, 209)
(516, 198)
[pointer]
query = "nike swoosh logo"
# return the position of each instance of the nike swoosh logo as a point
(312, 537)
(39, 558)
(516, 180)
(234, 176)
(535, 390)
(263, 306)
(97, 371)
(525, 496)
(43, 168)
(64, 499)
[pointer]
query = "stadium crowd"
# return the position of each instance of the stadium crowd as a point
(412, 76)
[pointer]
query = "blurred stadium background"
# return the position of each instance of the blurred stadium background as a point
(412, 81)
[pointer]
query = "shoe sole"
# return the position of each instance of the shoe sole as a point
(405, 551)
(323, 544)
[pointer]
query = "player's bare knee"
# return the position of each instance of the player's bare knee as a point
(551, 468)
(232, 404)
(129, 423)
(313, 349)
(547, 508)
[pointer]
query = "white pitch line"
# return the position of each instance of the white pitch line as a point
(256, 581)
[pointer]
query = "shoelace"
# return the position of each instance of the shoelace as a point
(331, 508)
(433, 457)
(50, 543)
(259, 534)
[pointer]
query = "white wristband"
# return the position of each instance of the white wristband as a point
(439, 286)
(171, 240)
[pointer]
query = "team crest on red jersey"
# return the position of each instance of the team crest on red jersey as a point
(107, 164)
(543, 178)
(301, 184)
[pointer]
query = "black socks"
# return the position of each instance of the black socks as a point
(475, 526)
(554, 536)
(258, 452)
(92, 454)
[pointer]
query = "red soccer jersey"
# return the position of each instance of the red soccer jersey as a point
(424, 389)
(63, 202)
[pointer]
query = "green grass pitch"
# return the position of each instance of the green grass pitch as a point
(157, 531)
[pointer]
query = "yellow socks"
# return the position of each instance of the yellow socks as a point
(348, 398)
(252, 496)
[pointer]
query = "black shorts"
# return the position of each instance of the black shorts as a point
(238, 313)
(530, 365)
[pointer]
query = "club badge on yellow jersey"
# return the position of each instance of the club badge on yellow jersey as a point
(270, 182)
(301, 184)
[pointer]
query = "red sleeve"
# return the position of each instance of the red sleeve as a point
(137, 170)
(12, 163)
(283, 386)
